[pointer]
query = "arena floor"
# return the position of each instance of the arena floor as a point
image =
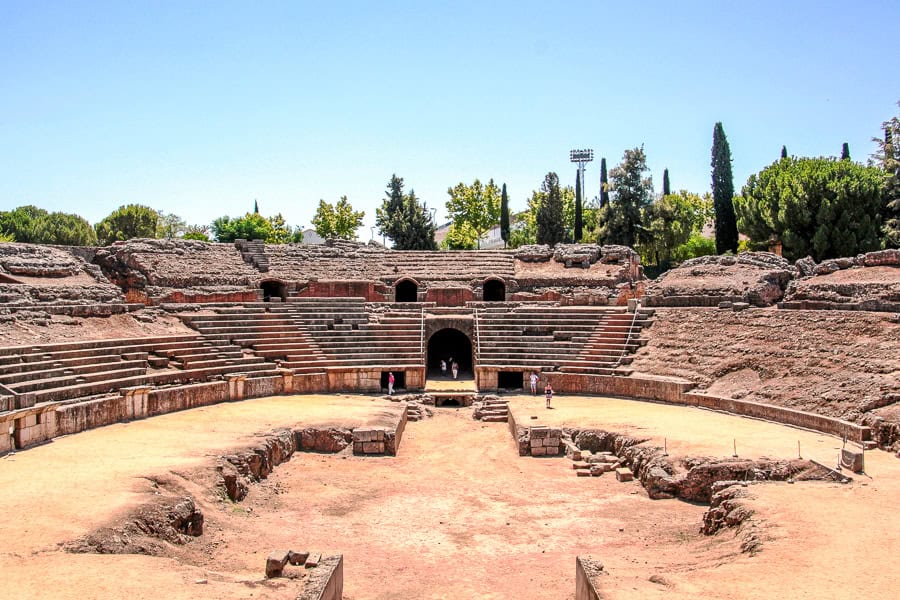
(457, 514)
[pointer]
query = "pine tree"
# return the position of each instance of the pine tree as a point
(504, 217)
(604, 184)
(621, 220)
(404, 219)
(579, 219)
(550, 226)
(723, 193)
(784, 152)
(666, 190)
(255, 207)
(845, 151)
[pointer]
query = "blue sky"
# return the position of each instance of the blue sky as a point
(198, 108)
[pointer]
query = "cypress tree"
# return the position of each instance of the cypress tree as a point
(723, 193)
(666, 189)
(579, 222)
(784, 152)
(255, 207)
(504, 216)
(550, 227)
(845, 151)
(604, 184)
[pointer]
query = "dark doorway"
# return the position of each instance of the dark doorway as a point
(446, 344)
(406, 291)
(399, 380)
(272, 289)
(510, 380)
(494, 290)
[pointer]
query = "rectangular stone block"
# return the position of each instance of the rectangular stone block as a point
(583, 472)
(624, 474)
(552, 441)
(363, 435)
(540, 451)
(580, 465)
(850, 459)
(540, 432)
(275, 563)
(297, 558)
(537, 442)
(554, 432)
(552, 450)
(313, 560)
(373, 447)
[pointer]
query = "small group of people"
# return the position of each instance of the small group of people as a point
(454, 367)
(534, 379)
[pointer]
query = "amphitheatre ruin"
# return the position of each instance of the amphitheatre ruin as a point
(199, 420)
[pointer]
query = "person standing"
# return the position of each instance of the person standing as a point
(390, 383)
(443, 368)
(533, 380)
(455, 368)
(548, 393)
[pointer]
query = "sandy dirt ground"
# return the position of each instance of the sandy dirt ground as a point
(457, 514)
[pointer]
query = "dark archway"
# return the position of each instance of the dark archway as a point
(273, 289)
(406, 291)
(446, 344)
(494, 291)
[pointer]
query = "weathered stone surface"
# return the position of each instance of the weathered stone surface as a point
(275, 563)
(624, 474)
(323, 440)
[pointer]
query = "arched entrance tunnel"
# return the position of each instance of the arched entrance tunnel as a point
(273, 289)
(406, 291)
(446, 344)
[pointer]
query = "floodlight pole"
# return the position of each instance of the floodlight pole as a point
(582, 157)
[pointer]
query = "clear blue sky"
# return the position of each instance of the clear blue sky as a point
(198, 108)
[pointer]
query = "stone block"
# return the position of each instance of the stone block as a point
(363, 435)
(540, 451)
(725, 304)
(313, 560)
(540, 432)
(553, 441)
(297, 558)
(853, 460)
(739, 306)
(624, 474)
(373, 448)
(597, 470)
(537, 442)
(580, 465)
(583, 472)
(554, 432)
(275, 563)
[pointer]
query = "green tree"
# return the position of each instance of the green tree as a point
(389, 217)
(784, 152)
(62, 229)
(127, 222)
(666, 189)
(669, 223)
(252, 226)
(604, 184)
(504, 217)
(477, 205)
(723, 193)
(632, 193)
(18, 223)
(579, 219)
(549, 218)
(404, 219)
(169, 226)
(461, 236)
(337, 221)
(197, 232)
(845, 151)
(823, 207)
(887, 157)
(697, 245)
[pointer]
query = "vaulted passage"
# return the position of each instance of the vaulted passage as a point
(273, 289)
(406, 291)
(448, 344)
(494, 291)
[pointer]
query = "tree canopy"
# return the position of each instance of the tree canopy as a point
(338, 221)
(29, 224)
(127, 222)
(631, 193)
(476, 205)
(550, 215)
(888, 158)
(670, 222)
(823, 207)
(254, 226)
(404, 219)
(504, 216)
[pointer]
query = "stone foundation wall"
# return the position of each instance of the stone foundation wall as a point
(341, 289)
(449, 296)
(190, 297)
(679, 393)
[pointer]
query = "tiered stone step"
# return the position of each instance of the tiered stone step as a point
(494, 410)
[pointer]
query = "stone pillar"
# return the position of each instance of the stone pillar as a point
(236, 386)
(287, 378)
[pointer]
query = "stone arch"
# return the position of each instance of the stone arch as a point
(494, 290)
(406, 290)
(273, 288)
(448, 343)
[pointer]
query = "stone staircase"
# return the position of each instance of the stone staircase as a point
(253, 253)
(492, 410)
